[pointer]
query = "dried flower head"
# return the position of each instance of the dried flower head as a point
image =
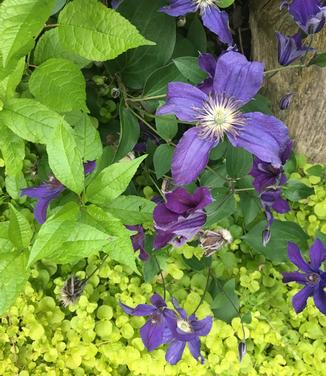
(72, 290)
(212, 241)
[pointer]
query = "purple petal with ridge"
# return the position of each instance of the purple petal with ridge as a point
(202, 327)
(179, 8)
(191, 156)
(140, 310)
(152, 334)
(260, 127)
(299, 300)
(194, 347)
(217, 21)
(294, 277)
(295, 257)
(317, 254)
(158, 301)
(238, 78)
(320, 299)
(175, 351)
(183, 100)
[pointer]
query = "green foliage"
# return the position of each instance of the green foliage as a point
(189, 68)
(166, 126)
(162, 159)
(295, 190)
(53, 79)
(226, 302)
(319, 59)
(238, 162)
(89, 29)
(111, 182)
(225, 3)
(20, 232)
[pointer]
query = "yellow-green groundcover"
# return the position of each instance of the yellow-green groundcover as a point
(38, 336)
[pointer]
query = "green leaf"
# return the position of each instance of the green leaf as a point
(135, 66)
(194, 264)
(197, 35)
(19, 231)
(224, 3)
(132, 210)
(83, 241)
(65, 159)
(14, 184)
(238, 162)
(156, 83)
(258, 104)
(282, 233)
(87, 137)
(226, 302)
(223, 206)
(129, 132)
(30, 119)
(150, 267)
(250, 206)
(112, 181)
(20, 23)
(166, 126)
(5, 243)
(49, 46)
(60, 85)
(59, 4)
(95, 32)
(295, 190)
(13, 276)
(120, 249)
(13, 150)
(9, 84)
(319, 59)
(162, 159)
(54, 232)
(189, 68)
(316, 170)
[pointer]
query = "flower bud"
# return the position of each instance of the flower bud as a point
(266, 235)
(212, 241)
(168, 185)
(115, 93)
(181, 21)
(72, 290)
(286, 101)
(242, 349)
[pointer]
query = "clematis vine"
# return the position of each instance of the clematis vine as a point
(310, 15)
(154, 330)
(181, 217)
(216, 20)
(48, 191)
(310, 276)
(183, 330)
(236, 81)
(138, 241)
(290, 48)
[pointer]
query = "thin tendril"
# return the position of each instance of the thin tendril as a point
(161, 273)
(205, 291)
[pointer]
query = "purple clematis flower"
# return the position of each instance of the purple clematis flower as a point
(46, 192)
(153, 332)
(236, 82)
(290, 48)
(181, 217)
(310, 15)
(138, 241)
(213, 18)
(183, 330)
(310, 276)
(285, 101)
(207, 63)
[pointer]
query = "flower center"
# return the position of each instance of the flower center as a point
(184, 326)
(313, 278)
(220, 114)
(202, 4)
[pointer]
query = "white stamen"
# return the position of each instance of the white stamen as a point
(220, 114)
(184, 326)
(202, 4)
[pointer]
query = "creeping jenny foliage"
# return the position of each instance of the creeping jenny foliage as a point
(80, 85)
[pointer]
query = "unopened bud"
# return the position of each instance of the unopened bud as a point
(266, 235)
(286, 101)
(129, 157)
(181, 21)
(115, 93)
(212, 241)
(168, 185)
(242, 349)
(72, 290)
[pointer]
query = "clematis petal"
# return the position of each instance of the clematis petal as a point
(183, 100)
(175, 351)
(262, 127)
(46, 190)
(158, 301)
(217, 21)
(162, 238)
(140, 310)
(207, 63)
(299, 300)
(163, 216)
(294, 277)
(317, 254)
(41, 208)
(320, 299)
(280, 205)
(179, 201)
(290, 48)
(89, 167)
(203, 197)
(179, 8)
(202, 327)
(194, 347)
(302, 10)
(237, 77)
(190, 156)
(152, 334)
(295, 257)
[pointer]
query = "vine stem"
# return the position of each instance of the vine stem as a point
(142, 99)
(205, 291)
(161, 273)
(276, 70)
(97, 268)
